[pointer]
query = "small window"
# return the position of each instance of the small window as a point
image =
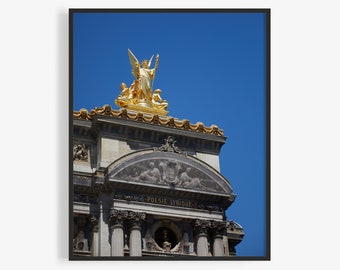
(165, 238)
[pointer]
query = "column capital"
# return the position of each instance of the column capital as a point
(218, 228)
(136, 219)
(117, 217)
(201, 226)
(211, 227)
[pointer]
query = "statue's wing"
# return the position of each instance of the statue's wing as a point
(150, 61)
(133, 61)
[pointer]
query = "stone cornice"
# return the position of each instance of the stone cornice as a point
(167, 121)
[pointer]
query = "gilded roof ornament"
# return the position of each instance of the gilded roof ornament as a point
(167, 121)
(140, 96)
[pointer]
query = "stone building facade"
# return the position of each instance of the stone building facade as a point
(148, 185)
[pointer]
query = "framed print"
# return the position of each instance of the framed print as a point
(169, 134)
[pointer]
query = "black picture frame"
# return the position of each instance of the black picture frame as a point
(267, 14)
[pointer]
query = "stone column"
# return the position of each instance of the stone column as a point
(103, 226)
(135, 241)
(218, 229)
(201, 230)
(226, 245)
(218, 246)
(95, 236)
(117, 232)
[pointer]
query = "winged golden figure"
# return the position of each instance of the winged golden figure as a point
(144, 75)
(140, 95)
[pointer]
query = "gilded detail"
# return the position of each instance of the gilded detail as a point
(140, 96)
(139, 102)
(147, 118)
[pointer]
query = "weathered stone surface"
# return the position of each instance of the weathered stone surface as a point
(144, 181)
(169, 169)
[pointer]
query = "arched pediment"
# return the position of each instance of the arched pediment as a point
(169, 169)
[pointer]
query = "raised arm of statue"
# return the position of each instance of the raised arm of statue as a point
(137, 71)
(157, 60)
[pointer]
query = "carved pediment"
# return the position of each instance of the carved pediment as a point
(169, 169)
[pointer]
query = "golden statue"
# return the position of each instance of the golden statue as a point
(157, 101)
(140, 96)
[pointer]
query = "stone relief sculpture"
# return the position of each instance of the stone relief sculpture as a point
(152, 174)
(80, 242)
(189, 181)
(170, 169)
(169, 146)
(168, 172)
(80, 152)
(150, 243)
(181, 247)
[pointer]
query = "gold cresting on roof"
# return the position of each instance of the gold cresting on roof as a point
(167, 121)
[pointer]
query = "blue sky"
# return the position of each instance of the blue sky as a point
(211, 69)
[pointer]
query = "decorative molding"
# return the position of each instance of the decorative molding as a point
(233, 226)
(147, 118)
(168, 201)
